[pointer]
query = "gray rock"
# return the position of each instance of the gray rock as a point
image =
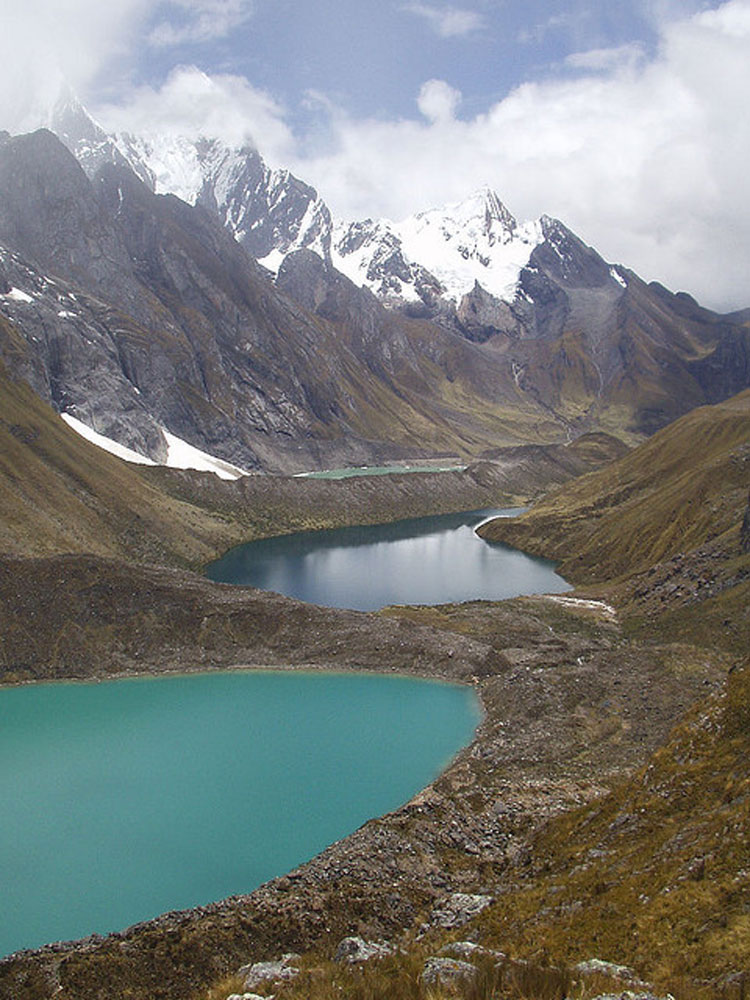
(459, 909)
(269, 972)
(598, 967)
(630, 995)
(247, 996)
(447, 972)
(356, 949)
(468, 950)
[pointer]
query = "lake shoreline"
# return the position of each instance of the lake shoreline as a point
(114, 767)
(413, 562)
(418, 848)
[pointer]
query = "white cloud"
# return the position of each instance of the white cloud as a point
(438, 100)
(44, 42)
(196, 21)
(607, 60)
(447, 22)
(645, 158)
(556, 22)
(191, 103)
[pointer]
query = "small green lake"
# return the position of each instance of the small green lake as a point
(427, 560)
(125, 799)
(381, 470)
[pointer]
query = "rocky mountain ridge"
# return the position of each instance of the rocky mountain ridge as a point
(441, 263)
(137, 312)
(141, 315)
(470, 266)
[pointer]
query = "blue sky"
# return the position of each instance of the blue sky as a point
(372, 58)
(625, 118)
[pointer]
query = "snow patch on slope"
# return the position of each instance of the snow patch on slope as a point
(614, 273)
(107, 444)
(19, 296)
(180, 454)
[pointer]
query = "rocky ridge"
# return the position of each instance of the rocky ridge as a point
(587, 340)
(135, 312)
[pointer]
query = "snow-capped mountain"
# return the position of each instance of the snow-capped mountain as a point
(141, 313)
(442, 252)
(425, 264)
(270, 212)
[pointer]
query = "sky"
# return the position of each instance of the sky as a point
(627, 119)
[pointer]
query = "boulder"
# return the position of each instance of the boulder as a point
(450, 973)
(469, 950)
(459, 909)
(598, 967)
(280, 970)
(356, 949)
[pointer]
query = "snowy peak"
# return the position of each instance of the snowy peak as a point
(270, 212)
(89, 143)
(480, 216)
(441, 252)
(83, 136)
(438, 263)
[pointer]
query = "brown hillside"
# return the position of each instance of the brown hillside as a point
(684, 487)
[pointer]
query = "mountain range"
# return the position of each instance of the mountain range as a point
(165, 286)
(234, 313)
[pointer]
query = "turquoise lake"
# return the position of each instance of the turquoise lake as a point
(124, 799)
(429, 560)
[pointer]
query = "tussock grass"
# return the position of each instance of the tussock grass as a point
(657, 875)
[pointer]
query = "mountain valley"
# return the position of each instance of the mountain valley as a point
(579, 692)
(177, 287)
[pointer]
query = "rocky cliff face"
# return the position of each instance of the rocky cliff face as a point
(457, 330)
(137, 312)
(154, 309)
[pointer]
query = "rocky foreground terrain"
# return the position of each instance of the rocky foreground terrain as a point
(600, 813)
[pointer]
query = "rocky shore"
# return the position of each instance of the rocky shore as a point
(570, 706)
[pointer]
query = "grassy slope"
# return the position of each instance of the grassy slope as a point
(658, 873)
(685, 487)
(60, 493)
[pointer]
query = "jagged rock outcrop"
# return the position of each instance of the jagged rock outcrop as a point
(456, 330)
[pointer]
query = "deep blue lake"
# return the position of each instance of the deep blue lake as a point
(124, 799)
(429, 560)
